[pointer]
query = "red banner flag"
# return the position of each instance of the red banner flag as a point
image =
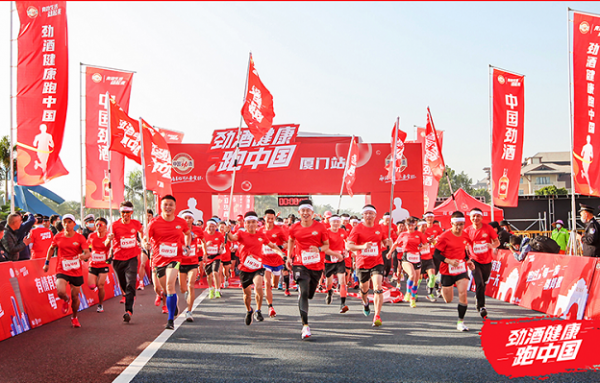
(258, 110)
(586, 41)
(171, 136)
(433, 150)
(430, 183)
(507, 137)
(351, 164)
(397, 152)
(42, 90)
(157, 161)
(98, 82)
(125, 133)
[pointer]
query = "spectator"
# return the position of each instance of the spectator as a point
(47, 222)
(41, 239)
(503, 235)
(54, 221)
(88, 225)
(506, 226)
(519, 247)
(560, 235)
(26, 226)
(12, 242)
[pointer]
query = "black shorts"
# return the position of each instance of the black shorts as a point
(427, 264)
(73, 281)
(450, 280)
(187, 268)
(335, 268)
(161, 271)
(247, 278)
(365, 274)
(213, 267)
(98, 270)
(301, 272)
(226, 263)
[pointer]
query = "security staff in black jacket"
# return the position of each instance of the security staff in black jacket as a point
(591, 235)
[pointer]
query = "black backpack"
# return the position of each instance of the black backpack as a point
(544, 244)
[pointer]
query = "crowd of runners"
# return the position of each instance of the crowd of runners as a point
(332, 254)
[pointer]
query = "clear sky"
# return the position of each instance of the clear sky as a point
(332, 68)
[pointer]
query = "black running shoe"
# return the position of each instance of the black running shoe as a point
(258, 316)
(483, 312)
(248, 319)
(126, 317)
(170, 325)
(329, 297)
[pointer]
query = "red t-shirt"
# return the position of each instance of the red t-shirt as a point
(214, 249)
(41, 239)
(100, 252)
(196, 245)
(409, 243)
(278, 237)
(480, 252)
(434, 231)
(305, 237)
(250, 250)
(125, 244)
(68, 253)
(226, 254)
(337, 242)
(361, 234)
(166, 240)
(452, 247)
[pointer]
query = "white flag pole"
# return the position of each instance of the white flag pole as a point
(491, 140)
(144, 186)
(12, 97)
(572, 246)
(81, 141)
(344, 176)
(110, 196)
(394, 148)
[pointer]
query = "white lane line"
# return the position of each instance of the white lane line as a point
(134, 368)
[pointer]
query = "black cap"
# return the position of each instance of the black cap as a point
(504, 223)
(587, 208)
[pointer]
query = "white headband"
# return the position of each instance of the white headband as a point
(332, 219)
(306, 206)
(187, 215)
(476, 211)
(278, 223)
(457, 219)
(354, 220)
(125, 208)
(428, 215)
(251, 218)
(422, 223)
(368, 208)
(211, 222)
(386, 216)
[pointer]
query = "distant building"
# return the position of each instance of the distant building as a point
(545, 169)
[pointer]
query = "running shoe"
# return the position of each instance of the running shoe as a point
(280, 286)
(406, 297)
(258, 316)
(170, 325)
(306, 332)
(165, 310)
(460, 326)
(377, 321)
(366, 310)
(329, 297)
(126, 317)
(188, 316)
(413, 303)
(217, 294)
(343, 309)
(439, 293)
(248, 319)
(140, 285)
(122, 299)
(100, 309)
(483, 312)
(272, 312)
(65, 307)
(75, 323)
(157, 300)
(226, 284)
(287, 293)
(431, 298)
(211, 294)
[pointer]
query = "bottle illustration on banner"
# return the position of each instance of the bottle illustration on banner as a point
(105, 187)
(503, 186)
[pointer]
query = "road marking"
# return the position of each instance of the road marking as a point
(134, 368)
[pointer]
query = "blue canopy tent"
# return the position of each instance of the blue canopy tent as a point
(27, 201)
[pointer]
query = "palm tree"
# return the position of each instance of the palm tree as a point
(5, 164)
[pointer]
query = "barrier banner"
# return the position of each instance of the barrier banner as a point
(13, 316)
(592, 308)
(430, 183)
(504, 277)
(99, 81)
(586, 143)
(42, 90)
(507, 137)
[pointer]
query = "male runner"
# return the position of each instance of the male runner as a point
(188, 270)
(214, 244)
(335, 261)
(272, 262)
(98, 269)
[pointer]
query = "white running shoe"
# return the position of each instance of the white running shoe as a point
(306, 332)
(189, 317)
(460, 326)
(225, 284)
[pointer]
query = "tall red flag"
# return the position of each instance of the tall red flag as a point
(433, 149)
(42, 90)
(351, 163)
(157, 161)
(397, 152)
(586, 143)
(507, 137)
(257, 110)
(124, 133)
(430, 183)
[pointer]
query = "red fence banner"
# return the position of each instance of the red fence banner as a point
(430, 183)
(157, 161)
(257, 110)
(42, 90)
(99, 81)
(13, 317)
(504, 278)
(586, 43)
(507, 137)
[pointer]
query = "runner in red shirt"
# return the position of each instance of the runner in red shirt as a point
(98, 270)
(272, 262)
(393, 235)
(126, 249)
(225, 256)
(168, 234)
(214, 244)
(72, 249)
(251, 256)
(451, 250)
(335, 261)
(307, 244)
(188, 270)
(366, 239)
(41, 239)
(483, 239)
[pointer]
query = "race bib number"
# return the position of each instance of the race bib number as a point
(455, 270)
(70, 264)
(267, 250)
(128, 243)
(168, 250)
(425, 249)
(98, 257)
(346, 254)
(252, 263)
(413, 257)
(372, 251)
(310, 257)
(480, 248)
(212, 250)
(192, 251)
